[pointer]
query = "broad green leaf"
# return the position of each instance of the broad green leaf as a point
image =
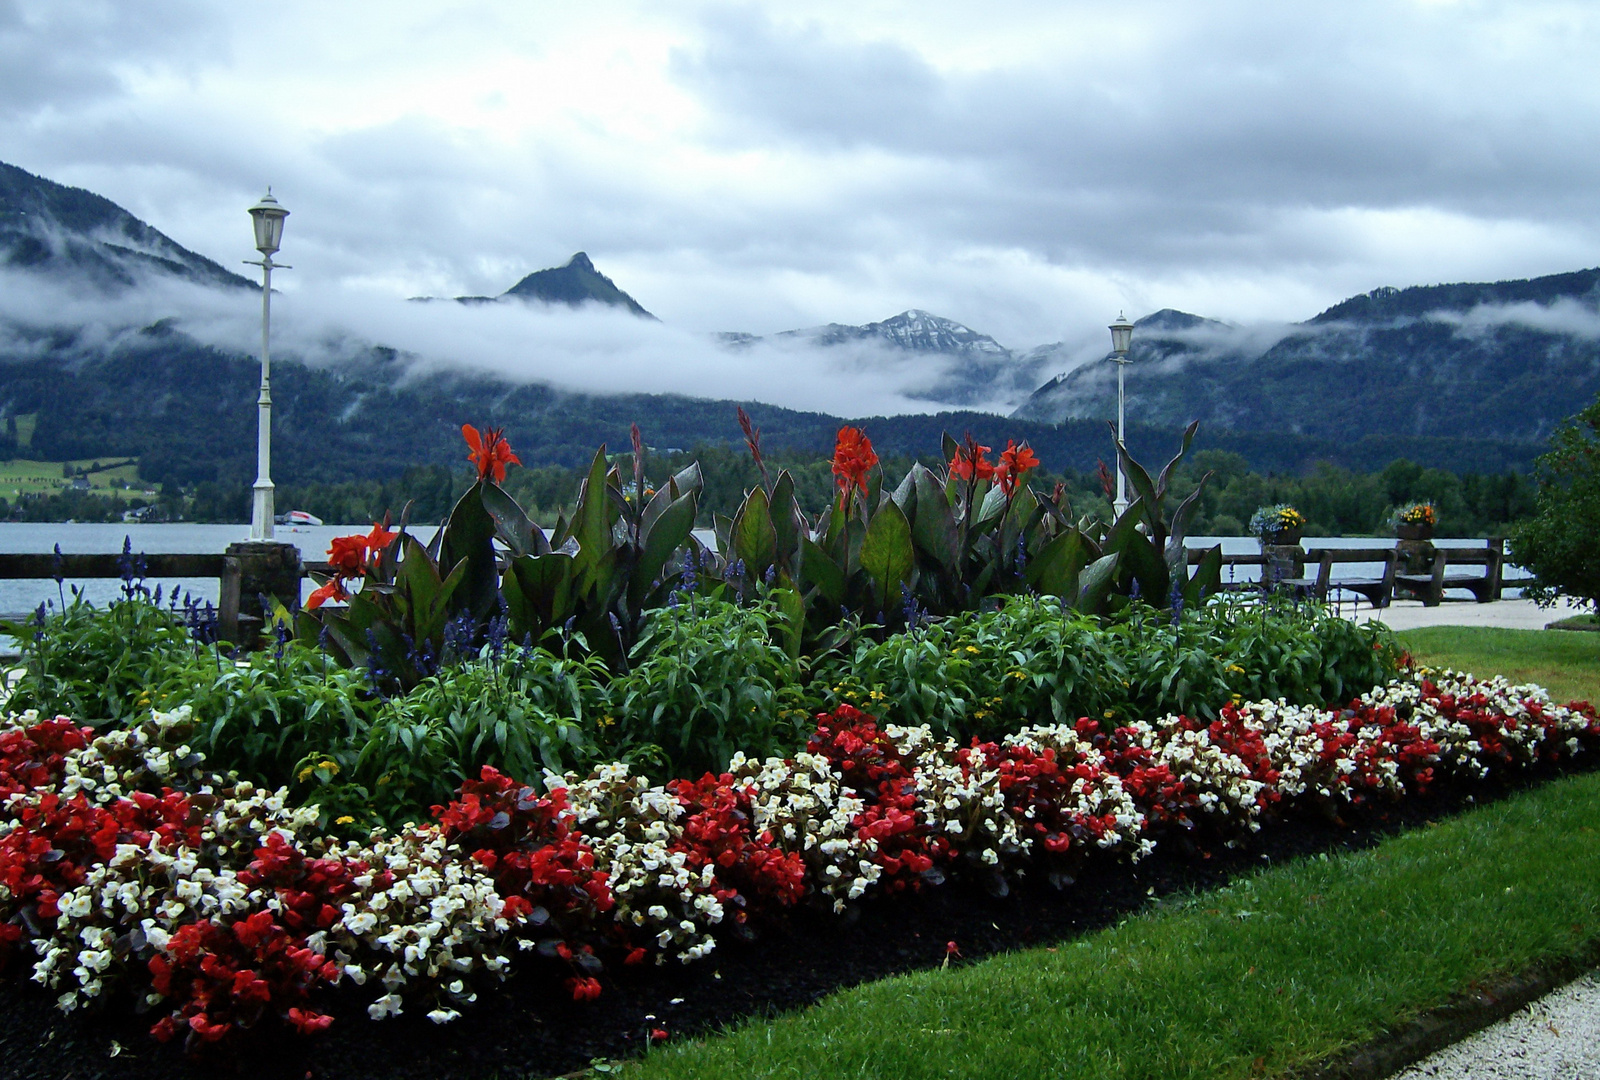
(591, 520)
(1054, 569)
(671, 529)
(933, 525)
(817, 568)
(1207, 578)
(468, 538)
(538, 592)
(886, 552)
(512, 527)
(1095, 583)
(754, 538)
(786, 520)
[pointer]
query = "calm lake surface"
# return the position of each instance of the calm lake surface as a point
(22, 596)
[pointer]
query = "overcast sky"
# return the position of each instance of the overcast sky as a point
(1025, 168)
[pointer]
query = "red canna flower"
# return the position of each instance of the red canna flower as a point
(489, 452)
(331, 590)
(350, 557)
(1014, 461)
(853, 459)
(969, 462)
(347, 555)
(379, 538)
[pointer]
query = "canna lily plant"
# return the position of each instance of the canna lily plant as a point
(943, 540)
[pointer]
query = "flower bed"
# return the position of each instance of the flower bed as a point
(124, 862)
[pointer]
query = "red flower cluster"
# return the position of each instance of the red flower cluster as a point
(970, 463)
(902, 842)
(716, 832)
(853, 459)
(350, 557)
(541, 866)
(489, 451)
(36, 757)
(1014, 462)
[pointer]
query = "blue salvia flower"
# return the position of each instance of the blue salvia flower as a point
(1133, 593)
(915, 613)
(770, 576)
(691, 570)
(1022, 555)
(498, 627)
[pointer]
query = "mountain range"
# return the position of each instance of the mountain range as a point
(1464, 376)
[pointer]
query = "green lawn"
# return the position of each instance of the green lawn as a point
(1271, 974)
(26, 477)
(1565, 662)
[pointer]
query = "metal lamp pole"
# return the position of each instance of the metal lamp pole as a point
(1121, 336)
(268, 218)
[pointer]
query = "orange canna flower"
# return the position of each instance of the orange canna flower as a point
(489, 452)
(1014, 461)
(332, 590)
(970, 463)
(379, 538)
(347, 555)
(853, 459)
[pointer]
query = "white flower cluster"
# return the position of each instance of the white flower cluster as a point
(437, 921)
(1524, 720)
(424, 918)
(631, 827)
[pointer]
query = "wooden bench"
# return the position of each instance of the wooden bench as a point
(1256, 560)
(1378, 591)
(1484, 586)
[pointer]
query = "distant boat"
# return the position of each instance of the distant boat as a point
(297, 517)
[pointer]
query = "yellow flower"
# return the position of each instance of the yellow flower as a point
(305, 774)
(344, 819)
(1016, 673)
(331, 766)
(973, 649)
(1236, 669)
(980, 714)
(607, 721)
(878, 695)
(1110, 713)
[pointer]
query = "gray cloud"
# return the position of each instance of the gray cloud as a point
(1025, 169)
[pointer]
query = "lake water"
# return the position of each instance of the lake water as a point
(22, 596)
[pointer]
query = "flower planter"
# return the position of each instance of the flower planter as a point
(1281, 538)
(1413, 530)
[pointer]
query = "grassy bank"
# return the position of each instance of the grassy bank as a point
(1566, 663)
(1272, 974)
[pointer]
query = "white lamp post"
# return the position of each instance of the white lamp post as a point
(1121, 336)
(268, 218)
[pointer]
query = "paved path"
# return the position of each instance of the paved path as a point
(1558, 1036)
(1555, 1038)
(1410, 614)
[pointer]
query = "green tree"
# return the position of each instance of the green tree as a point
(1561, 542)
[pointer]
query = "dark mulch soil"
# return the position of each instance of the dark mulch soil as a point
(521, 1029)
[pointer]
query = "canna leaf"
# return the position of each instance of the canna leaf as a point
(886, 552)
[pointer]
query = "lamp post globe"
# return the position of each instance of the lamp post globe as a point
(267, 217)
(1121, 339)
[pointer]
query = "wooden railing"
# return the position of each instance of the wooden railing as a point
(244, 573)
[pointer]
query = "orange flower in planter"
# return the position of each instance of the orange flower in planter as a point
(853, 459)
(489, 452)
